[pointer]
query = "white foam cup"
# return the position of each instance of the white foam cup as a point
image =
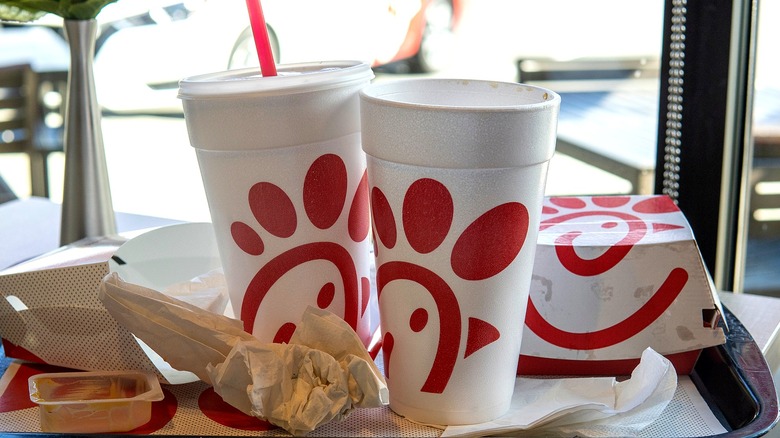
(284, 176)
(457, 172)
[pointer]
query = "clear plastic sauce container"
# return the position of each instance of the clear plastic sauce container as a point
(93, 402)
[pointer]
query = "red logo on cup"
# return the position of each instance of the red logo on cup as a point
(485, 248)
(324, 199)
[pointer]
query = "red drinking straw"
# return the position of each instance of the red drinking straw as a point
(260, 33)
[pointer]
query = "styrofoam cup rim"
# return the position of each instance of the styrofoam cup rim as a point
(290, 79)
(398, 94)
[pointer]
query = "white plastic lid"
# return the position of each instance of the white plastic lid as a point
(291, 78)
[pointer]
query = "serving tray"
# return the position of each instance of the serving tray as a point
(734, 380)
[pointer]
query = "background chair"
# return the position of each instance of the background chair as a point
(30, 118)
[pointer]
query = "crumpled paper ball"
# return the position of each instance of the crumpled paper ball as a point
(297, 386)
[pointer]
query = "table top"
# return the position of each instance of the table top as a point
(629, 115)
(621, 124)
(30, 227)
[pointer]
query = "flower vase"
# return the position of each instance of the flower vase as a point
(87, 209)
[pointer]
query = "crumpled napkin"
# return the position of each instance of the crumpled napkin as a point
(321, 375)
(584, 406)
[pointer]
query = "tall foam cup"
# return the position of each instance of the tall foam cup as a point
(285, 180)
(457, 171)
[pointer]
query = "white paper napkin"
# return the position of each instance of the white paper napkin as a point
(584, 406)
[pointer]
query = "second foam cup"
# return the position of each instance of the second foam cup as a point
(285, 181)
(457, 171)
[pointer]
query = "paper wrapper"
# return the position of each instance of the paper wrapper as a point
(50, 313)
(585, 406)
(322, 375)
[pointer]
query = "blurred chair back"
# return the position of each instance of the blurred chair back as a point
(23, 124)
(17, 102)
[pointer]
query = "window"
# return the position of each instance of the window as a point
(705, 141)
(757, 270)
(605, 57)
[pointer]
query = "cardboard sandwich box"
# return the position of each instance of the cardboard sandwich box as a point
(49, 307)
(614, 275)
